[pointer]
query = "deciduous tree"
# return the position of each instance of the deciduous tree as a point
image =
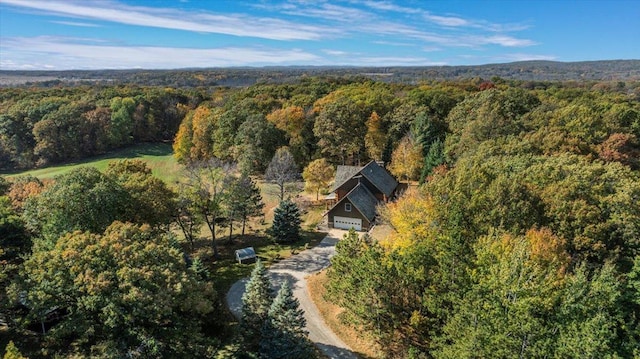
(126, 292)
(282, 170)
(318, 175)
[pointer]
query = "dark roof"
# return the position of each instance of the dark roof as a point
(343, 174)
(363, 200)
(380, 178)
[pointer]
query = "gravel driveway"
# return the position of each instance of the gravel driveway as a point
(295, 269)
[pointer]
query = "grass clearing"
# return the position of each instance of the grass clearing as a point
(158, 156)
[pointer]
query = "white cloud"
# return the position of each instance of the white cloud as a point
(238, 25)
(526, 57)
(61, 53)
(75, 23)
(335, 52)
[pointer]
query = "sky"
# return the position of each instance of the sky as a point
(164, 34)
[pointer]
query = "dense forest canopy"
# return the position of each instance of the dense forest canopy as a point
(611, 70)
(522, 238)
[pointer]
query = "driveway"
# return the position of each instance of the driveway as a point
(295, 269)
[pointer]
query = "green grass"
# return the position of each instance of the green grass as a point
(158, 156)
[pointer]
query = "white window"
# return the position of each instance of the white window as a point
(347, 207)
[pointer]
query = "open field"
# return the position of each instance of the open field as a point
(158, 156)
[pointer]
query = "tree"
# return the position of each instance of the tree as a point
(14, 240)
(433, 159)
(255, 144)
(243, 201)
(283, 334)
(151, 201)
(517, 282)
(406, 159)
(187, 216)
(375, 139)
(4, 186)
(317, 175)
(256, 302)
(286, 222)
(206, 187)
(82, 199)
(282, 170)
(121, 129)
(340, 129)
(12, 352)
(126, 292)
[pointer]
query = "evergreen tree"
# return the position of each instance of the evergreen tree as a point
(286, 222)
(283, 334)
(434, 158)
(244, 201)
(256, 302)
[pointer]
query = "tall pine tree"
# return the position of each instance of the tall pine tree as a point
(283, 334)
(286, 222)
(256, 302)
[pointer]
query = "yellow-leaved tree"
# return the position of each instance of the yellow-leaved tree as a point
(406, 160)
(317, 176)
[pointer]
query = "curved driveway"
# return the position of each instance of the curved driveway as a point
(295, 269)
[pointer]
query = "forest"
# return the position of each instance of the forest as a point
(519, 236)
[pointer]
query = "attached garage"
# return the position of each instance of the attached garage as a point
(347, 223)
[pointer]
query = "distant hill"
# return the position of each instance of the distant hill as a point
(609, 70)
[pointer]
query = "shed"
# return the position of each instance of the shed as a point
(245, 254)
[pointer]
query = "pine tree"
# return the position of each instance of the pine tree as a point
(256, 302)
(283, 334)
(286, 222)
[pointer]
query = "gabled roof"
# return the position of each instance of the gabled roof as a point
(343, 174)
(361, 198)
(379, 177)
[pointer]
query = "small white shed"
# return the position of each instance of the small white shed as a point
(245, 254)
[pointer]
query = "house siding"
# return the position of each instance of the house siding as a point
(340, 212)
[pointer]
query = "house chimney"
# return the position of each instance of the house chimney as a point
(380, 163)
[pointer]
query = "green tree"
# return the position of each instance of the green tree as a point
(433, 159)
(206, 189)
(589, 315)
(255, 144)
(286, 222)
(126, 292)
(256, 301)
(283, 334)
(318, 175)
(82, 199)
(151, 201)
(244, 201)
(14, 240)
(121, 129)
(516, 285)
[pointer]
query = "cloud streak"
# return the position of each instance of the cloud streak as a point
(63, 53)
(236, 25)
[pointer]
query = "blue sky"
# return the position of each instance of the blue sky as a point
(154, 34)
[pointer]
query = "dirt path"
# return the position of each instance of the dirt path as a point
(295, 269)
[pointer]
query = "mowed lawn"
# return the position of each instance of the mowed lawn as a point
(158, 156)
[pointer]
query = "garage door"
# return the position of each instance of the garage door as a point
(347, 223)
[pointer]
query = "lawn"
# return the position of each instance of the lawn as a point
(158, 156)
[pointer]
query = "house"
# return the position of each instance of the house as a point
(356, 193)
